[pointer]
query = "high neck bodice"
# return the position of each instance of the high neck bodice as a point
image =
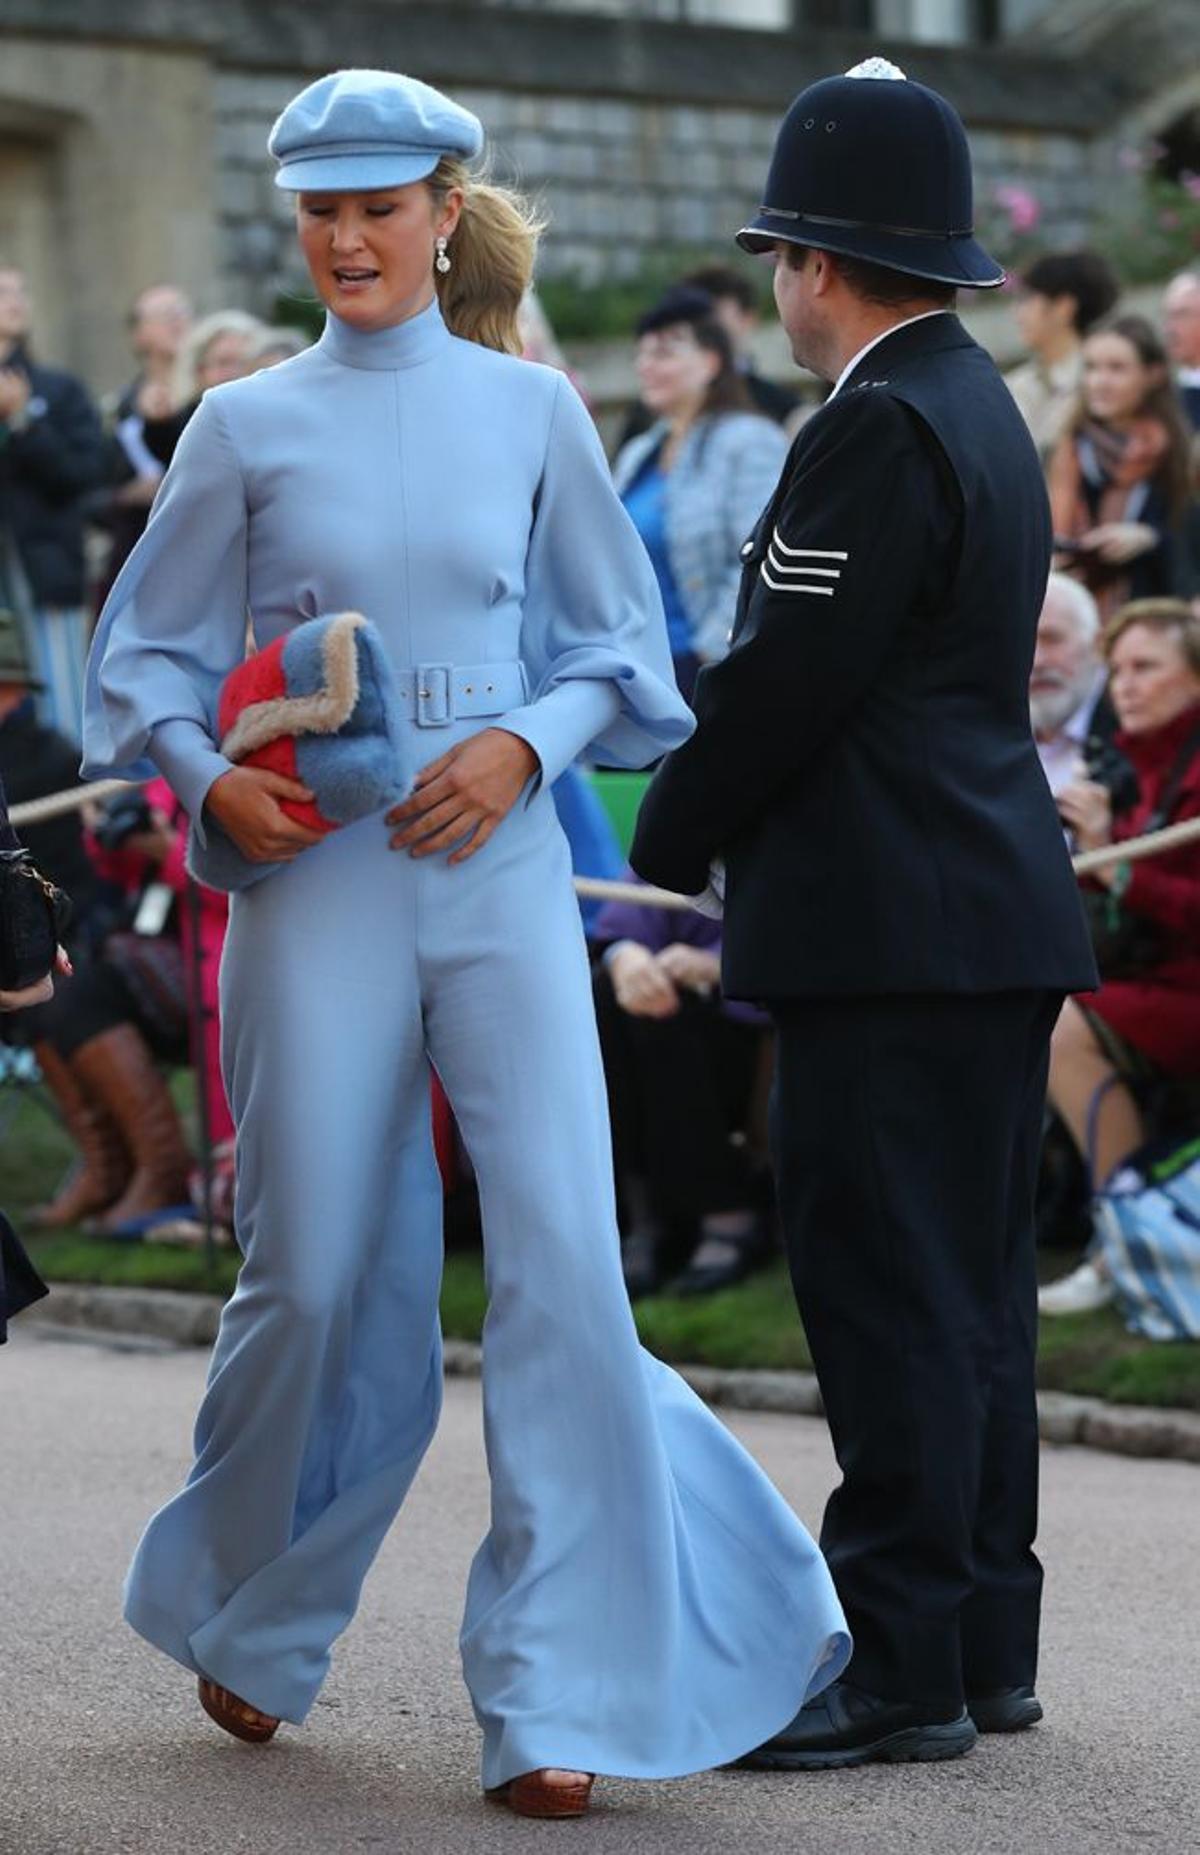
(404, 344)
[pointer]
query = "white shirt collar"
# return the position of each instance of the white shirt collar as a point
(851, 364)
(1188, 376)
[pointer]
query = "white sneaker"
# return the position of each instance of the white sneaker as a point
(1078, 1293)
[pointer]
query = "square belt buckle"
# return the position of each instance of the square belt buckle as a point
(434, 707)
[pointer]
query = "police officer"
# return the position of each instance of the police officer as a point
(898, 892)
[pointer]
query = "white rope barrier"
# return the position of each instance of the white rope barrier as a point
(57, 804)
(1153, 844)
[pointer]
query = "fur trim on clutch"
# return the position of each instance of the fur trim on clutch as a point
(319, 705)
(323, 712)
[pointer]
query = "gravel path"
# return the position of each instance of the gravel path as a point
(103, 1749)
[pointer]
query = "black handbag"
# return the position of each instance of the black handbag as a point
(33, 918)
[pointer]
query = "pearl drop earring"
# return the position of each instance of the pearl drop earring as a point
(442, 261)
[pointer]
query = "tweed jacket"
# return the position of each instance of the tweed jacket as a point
(724, 476)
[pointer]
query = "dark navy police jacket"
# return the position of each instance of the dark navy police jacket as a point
(863, 761)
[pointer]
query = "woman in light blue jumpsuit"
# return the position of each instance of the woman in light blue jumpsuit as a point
(644, 1602)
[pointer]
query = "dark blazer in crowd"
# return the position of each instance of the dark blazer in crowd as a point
(20, 1283)
(45, 470)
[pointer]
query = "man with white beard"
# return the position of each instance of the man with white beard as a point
(1066, 684)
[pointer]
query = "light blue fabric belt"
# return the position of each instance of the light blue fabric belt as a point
(436, 694)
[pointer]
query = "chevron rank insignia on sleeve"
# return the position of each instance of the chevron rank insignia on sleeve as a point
(801, 569)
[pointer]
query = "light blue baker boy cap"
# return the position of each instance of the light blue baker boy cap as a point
(355, 130)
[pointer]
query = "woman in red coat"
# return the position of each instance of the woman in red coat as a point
(1149, 1024)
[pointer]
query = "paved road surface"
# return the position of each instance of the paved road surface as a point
(103, 1750)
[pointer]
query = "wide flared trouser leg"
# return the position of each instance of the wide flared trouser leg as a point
(325, 1383)
(645, 1603)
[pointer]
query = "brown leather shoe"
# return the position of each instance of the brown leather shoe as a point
(533, 1794)
(118, 1069)
(102, 1168)
(236, 1716)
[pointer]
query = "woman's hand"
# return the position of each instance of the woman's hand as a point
(1118, 542)
(246, 804)
(1086, 808)
(693, 968)
(639, 984)
(462, 797)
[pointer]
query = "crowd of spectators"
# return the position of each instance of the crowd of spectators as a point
(1113, 405)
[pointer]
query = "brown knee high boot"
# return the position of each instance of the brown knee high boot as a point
(102, 1166)
(118, 1068)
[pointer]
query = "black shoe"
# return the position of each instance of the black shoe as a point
(1005, 1710)
(845, 1726)
(722, 1262)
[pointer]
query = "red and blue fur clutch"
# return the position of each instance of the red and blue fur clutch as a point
(319, 705)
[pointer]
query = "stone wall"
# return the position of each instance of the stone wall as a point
(619, 179)
(636, 134)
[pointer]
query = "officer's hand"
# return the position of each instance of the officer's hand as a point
(693, 968)
(246, 804)
(1118, 542)
(639, 984)
(462, 797)
(1086, 808)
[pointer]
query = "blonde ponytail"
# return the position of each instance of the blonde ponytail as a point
(491, 256)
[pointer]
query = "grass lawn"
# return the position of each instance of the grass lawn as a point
(752, 1325)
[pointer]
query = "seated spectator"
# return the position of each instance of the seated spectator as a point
(1144, 1022)
(220, 347)
(1062, 296)
(106, 1027)
(1069, 708)
(680, 1063)
(51, 453)
(1120, 478)
(35, 762)
(696, 483)
(735, 305)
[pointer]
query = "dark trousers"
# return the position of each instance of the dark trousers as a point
(678, 1088)
(906, 1134)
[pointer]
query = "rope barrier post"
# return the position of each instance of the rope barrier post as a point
(198, 1018)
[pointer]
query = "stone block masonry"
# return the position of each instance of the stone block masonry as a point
(618, 181)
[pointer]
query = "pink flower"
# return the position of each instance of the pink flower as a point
(1022, 208)
(1191, 184)
(1132, 159)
